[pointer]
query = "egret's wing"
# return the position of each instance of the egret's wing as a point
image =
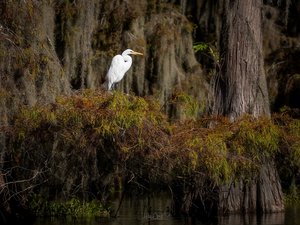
(115, 69)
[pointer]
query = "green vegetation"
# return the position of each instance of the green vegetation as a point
(78, 141)
(73, 208)
(290, 198)
(213, 146)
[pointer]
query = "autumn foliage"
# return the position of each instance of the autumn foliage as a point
(136, 129)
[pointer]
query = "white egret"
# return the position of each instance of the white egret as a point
(120, 64)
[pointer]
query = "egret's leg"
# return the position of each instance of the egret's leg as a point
(116, 85)
(109, 86)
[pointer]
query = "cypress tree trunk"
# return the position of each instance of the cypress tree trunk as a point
(241, 88)
(258, 194)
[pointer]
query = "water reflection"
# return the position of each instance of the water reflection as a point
(252, 219)
(155, 211)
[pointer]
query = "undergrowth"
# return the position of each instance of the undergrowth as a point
(214, 145)
(150, 149)
(289, 198)
(73, 208)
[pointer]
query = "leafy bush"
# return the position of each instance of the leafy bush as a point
(150, 150)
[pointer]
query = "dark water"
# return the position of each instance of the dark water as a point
(133, 212)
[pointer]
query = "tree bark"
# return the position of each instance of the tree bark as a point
(241, 86)
(261, 193)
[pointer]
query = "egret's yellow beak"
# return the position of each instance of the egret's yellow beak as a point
(136, 53)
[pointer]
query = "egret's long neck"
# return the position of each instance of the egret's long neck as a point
(128, 62)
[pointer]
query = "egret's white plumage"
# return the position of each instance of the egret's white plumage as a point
(120, 64)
